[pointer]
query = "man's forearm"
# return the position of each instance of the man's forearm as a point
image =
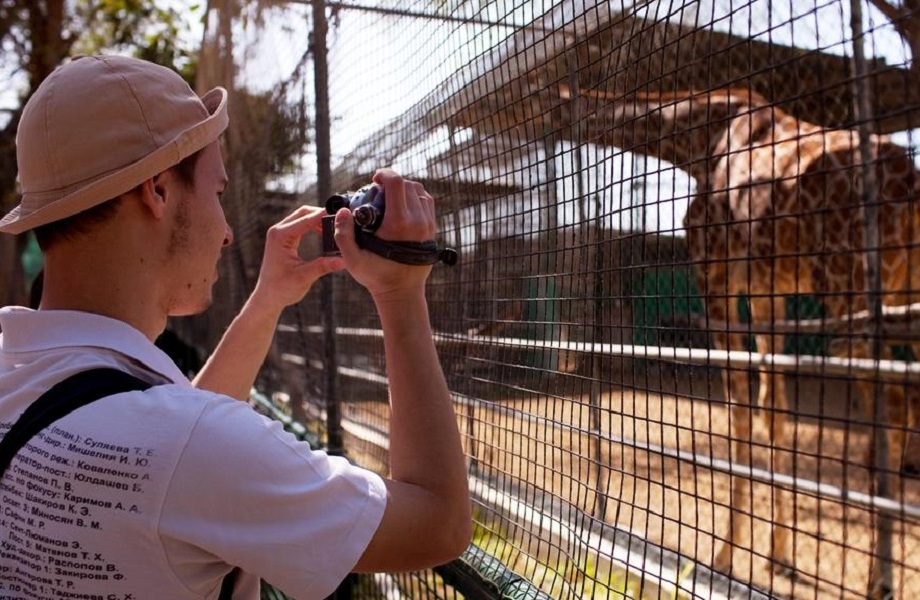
(425, 447)
(235, 363)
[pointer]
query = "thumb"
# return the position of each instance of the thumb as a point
(345, 232)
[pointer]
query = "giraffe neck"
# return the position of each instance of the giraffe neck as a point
(689, 129)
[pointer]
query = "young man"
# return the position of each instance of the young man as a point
(161, 493)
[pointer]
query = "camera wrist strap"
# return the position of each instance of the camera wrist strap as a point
(408, 253)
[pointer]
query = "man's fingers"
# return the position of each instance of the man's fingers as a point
(409, 207)
(420, 207)
(299, 212)
(318, 267)
(295, 225)
(426, 204)
(394, 187)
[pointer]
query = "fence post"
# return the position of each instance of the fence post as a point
(592, 293)
(470, 407)
(881, 580)
(546, 290)
(334, 440)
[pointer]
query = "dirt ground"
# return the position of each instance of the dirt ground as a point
(681, 506)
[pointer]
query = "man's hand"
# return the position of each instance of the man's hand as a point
(285, 277)
(410, 216)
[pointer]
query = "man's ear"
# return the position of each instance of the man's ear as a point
(153, 194)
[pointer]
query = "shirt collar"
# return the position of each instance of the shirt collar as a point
(26, 330)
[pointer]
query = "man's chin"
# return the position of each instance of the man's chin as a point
(191, 309)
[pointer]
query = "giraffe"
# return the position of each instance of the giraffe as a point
(777, 212)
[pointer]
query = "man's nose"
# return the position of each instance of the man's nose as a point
(228, 236)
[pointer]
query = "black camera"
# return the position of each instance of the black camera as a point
(368, 206)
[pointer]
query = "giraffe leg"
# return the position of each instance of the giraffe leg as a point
(898, 427)
(839, 305)
(895, 395)
(898, 401)
(877, 588)
(910, 461)
(709, 241)
(899, 398)
(737, 390)
(774, 407)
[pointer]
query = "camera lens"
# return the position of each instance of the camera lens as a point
(334, 203)
(366, 216)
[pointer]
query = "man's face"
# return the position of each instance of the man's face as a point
(199, 232)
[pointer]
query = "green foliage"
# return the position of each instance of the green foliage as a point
(143, 29)
(275, 132)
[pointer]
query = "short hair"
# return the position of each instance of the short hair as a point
(85, 221)
(185, 170)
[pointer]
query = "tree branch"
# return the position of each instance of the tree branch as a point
(893, 13)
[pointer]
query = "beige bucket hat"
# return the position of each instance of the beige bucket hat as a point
(101, 125)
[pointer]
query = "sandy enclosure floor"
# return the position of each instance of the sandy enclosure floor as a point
(684, 507)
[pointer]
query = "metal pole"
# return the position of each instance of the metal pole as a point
(334, 440)
(334, 437)
(593, 309)
(547, 305)
(458, 242)
(881, 580)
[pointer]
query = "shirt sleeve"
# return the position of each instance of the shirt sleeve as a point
(249, 493)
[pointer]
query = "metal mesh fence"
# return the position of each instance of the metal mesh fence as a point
(679, 336)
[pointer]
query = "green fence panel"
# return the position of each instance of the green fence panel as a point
(666, 298)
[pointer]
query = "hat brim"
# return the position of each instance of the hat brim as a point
(60, 204)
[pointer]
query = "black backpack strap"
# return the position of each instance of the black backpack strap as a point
(62, 399)
(65, 397)
(226, 588)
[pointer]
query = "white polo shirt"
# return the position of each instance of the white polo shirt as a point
(155, 494)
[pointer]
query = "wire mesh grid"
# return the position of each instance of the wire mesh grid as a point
(679, 336)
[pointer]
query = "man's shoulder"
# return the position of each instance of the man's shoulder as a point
(54, 339)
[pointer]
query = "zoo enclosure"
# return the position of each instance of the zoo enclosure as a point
(636, 243)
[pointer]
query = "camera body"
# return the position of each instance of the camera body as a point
(367, 206)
